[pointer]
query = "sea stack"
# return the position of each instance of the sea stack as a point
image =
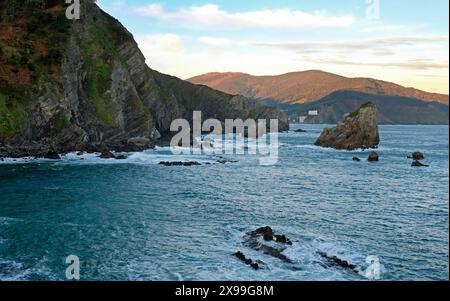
(358, 129)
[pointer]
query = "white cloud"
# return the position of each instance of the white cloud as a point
(212, 16)
(215, 42)
(161, 44)
(354, 45)
(417, 64)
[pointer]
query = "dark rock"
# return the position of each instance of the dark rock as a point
(32, 150)
(262, 231)
(121, 157)
(225, 161)
(137, 144)
(357, 130)
(335, 261)
(300, 131)
(107, 155)
(52, 155)
(373, 157)
(356, 159)
(246, 260)
(417, 156)
(178, 163)
(267, 234)
(417, 163)
(283, 239)
(268, 237)
(80, 153)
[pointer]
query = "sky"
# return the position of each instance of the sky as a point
(402, 41)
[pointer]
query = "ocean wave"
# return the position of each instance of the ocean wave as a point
(307, 264)
(4, 220)
(12, 271)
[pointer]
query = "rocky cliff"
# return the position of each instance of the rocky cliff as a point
(84, 84)
(358, 129)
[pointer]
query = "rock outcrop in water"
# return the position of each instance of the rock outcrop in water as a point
(417, 163)
(358, 129)
(256, 241)
(179, 163)
(248, 261)
(336, 261)
(417, 156)
(83, 85)
(268, 243)
(373, 157)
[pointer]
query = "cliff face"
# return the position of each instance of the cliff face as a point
(83, 84)
(358, 129)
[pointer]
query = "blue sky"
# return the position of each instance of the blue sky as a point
(401, 41)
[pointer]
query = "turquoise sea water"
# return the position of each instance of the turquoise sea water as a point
(136, 220)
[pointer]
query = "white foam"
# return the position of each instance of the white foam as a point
(4, 220)
(307, 263)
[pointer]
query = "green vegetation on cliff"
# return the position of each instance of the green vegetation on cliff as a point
(11, 116)
(356, 113)
(99, 53)
(32, 46)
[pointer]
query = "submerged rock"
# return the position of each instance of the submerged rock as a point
(417, 163)
(225, 161)
(246, 260)
(358, 129)
(356, 159)
(335, 261)
(178, 163)
(373, 157)
(300, 131)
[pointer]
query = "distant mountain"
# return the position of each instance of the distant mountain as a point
(392, 109)
(305, 87)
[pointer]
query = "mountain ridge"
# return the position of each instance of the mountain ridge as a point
(306, 86)
(391, 109)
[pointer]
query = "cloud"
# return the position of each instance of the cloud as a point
(161, 44)
(418, 64)
(382, 52)
(215, 42)
(354, 45)
(212, 16)
(216, 46)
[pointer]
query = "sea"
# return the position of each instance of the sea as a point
(134, 219)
